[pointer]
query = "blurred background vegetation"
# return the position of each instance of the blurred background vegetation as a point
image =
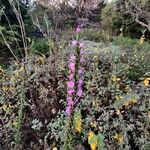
(53, 21)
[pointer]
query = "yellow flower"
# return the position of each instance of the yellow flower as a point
(21, 69)
(94, 143)
(78, 124)
(131, 101)
(115, 79)
(41, 59)
(118, 97)
(15, 124)
(118, 112)
(119, 138)
(5, 108)
(55, 148)
(141, 40)
(93, 124)
(147, 82)
(17, 74)
(128, 89)
(126, 103)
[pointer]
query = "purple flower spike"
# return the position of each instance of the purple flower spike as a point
(71, 76)
(78, 29)
(69, 99)
(71, 103)
(81, 52)
(80, 71)
(79, 92)
(80, 82)
(70, 91)
(76, 100)
(72, 57)
(72, 66)
(82, 60)
(68, 110)
(81, 45)
(74, 43)
(70, 84)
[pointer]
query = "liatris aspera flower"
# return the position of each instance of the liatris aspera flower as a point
(78, 29)
(80, 74)
(76, 71)
(71, 85)
(74, 43)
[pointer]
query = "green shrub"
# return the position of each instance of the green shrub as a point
(124, 41)
(137, 56)
(40, 46)
(97, 35)
(139, 62)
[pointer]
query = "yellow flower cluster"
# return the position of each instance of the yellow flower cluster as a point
(115, 79)
(118, 97)
(141, 40)
(94, 143)
(78, 124)
(147, 81)
(119, 138)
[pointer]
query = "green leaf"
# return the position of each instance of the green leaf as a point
(101, 144)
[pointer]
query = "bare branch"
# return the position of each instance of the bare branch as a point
(139, 12)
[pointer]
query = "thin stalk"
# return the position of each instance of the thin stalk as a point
(12, 32)
(20, 117)
(9, 47)
(21, 25)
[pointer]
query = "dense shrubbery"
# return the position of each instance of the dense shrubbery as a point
(112, 114)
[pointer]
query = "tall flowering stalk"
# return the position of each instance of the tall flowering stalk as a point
(71, 85)
(80, 74)
(75, 78)
(74, 90)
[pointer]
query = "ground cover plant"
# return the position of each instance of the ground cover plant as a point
(76, 89)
